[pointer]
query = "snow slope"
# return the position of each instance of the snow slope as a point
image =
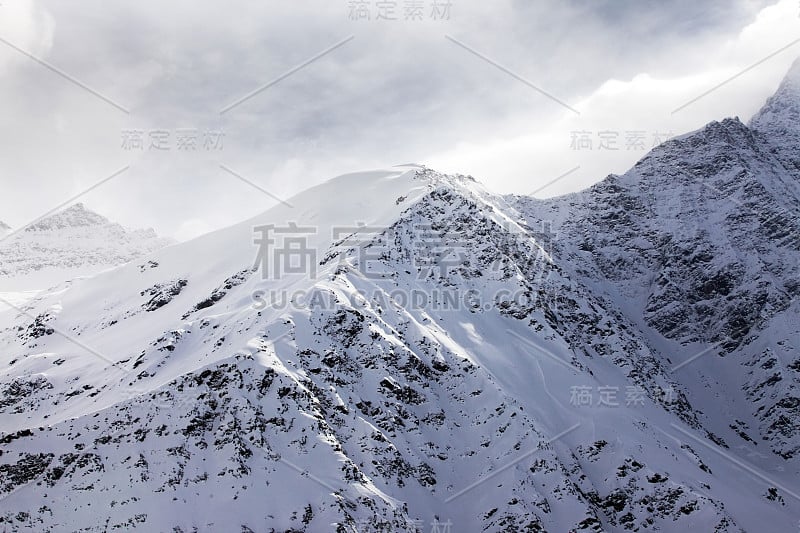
(442, 360)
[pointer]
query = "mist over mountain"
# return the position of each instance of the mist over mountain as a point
(403, 350)
(71, 243)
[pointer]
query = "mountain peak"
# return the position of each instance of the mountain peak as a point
(75, 216)
(781, 113)
(794, 70)
(779, 119)
(790, 85)
(74, 242)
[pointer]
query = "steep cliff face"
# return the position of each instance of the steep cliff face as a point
(431, 357)
(701, 243)
(704, 229)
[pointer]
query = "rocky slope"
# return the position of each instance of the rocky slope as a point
(701, 241)
(779, 120)
(428, 356)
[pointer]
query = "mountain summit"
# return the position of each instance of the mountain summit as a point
(782, 110)
(70, 243)
(779, 119)
(76, 216)
(428, 356)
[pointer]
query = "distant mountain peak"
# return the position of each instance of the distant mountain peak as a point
(71, 243)
(75, 216)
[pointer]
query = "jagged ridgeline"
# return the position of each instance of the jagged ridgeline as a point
(620, 359)
(71, 243)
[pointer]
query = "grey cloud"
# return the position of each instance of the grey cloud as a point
(398, 92)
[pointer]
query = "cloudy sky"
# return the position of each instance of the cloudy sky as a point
(187, 95)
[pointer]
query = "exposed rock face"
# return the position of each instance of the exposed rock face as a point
(701, 239)
(605, 361)
(779, 120)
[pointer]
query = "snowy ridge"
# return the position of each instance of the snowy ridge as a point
(700, 241)
(429, 367)
(779, 120)
(75, 216)
(72, 243)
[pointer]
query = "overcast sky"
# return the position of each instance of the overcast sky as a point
(496, 89)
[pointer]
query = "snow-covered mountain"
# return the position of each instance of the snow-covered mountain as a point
(72, 243)
(779, 120)
(700, 242)
(402, 350)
